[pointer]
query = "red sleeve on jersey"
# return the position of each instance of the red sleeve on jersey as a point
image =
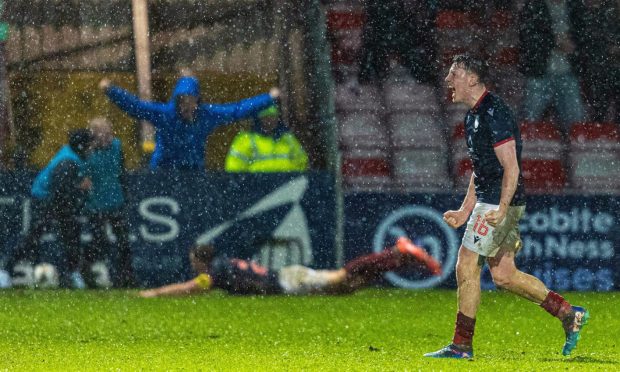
(504, 141)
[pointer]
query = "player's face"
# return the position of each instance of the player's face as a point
(187, 106)
(457, 82)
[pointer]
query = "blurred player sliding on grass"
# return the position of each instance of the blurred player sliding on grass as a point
(247, 277)
(496, 202)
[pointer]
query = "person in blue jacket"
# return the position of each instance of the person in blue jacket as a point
(58, 194)
(105, 203)
(183, 123)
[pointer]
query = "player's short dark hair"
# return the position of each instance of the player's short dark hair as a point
(203, 252)
(473, 64)
(80, 139)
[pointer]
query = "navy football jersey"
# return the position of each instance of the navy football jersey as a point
(491, 123)
(243, 277)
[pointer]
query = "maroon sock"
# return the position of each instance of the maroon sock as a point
(373, 265)
(464, 331)
(556, 305)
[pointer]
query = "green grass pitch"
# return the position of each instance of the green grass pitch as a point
(375, 329)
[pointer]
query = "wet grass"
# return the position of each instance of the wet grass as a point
(382, 330)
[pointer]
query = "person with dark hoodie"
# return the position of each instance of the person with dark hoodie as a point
(58, 194)
(183, 123)
(269, 147)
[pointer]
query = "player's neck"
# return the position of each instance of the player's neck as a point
(476, 93)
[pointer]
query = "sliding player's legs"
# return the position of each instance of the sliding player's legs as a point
(357, 273)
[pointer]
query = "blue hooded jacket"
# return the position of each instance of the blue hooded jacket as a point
(178, 143)
(42, 185)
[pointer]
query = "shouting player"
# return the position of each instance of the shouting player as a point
(495, 200)
(247, 277)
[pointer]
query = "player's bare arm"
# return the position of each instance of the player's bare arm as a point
(457, 218)
(507, 156)
(189, 287)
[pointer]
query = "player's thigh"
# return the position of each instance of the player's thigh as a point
(503, 264)
(468, 264)
(507, 235)
(467, 257)
(508, 239)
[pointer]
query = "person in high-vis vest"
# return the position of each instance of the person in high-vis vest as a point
(269, 147)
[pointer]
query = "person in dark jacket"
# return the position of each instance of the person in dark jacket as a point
(183, 123)
(597, 40)
(404, 28)
(546, 55)
(106, 202)
(58, 194)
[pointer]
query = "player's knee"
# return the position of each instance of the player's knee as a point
(502, 278)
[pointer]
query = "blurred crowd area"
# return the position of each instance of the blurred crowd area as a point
(396, 127)
(57, 52)
(557, 64)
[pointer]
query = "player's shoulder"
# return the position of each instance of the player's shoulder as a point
(497, 107)
(495, 100)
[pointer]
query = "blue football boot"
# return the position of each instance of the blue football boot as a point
(452, 351)
(573, 329)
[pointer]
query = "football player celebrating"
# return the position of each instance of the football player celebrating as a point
(494, 204)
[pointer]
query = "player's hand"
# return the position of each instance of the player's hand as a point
(148, 293)
(495, 217)
(104, 84)
(275, 92)
(86, 184)
(455, 218)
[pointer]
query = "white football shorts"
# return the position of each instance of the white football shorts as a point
(484, 239)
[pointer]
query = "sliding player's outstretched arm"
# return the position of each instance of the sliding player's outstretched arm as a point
(199, 284)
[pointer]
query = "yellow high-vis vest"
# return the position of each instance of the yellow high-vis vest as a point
(255, 153)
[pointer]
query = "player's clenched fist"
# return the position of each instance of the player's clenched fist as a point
(494, 217)
(455, 218)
